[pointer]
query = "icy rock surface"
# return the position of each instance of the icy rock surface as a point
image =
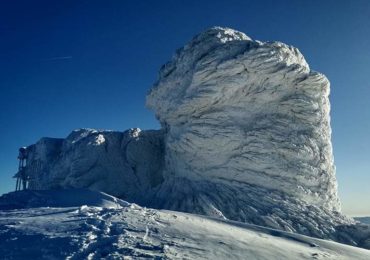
(247, 134)
(237, 110)
(125, 164)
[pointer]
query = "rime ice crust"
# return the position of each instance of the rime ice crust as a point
(246, 136)
(245, 113)
(125, 164)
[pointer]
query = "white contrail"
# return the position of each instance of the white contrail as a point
(58, 58)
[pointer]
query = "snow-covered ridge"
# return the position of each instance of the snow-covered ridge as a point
(365, 220)
(59, 199)
(96, 230)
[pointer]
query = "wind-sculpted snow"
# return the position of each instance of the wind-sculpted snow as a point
(124, 164)
(58, 198)
(129, 231)
(245, 136)
(243, 111)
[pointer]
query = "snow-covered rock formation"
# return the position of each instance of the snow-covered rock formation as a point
(238, 110)
(125, 164)
(245, 136)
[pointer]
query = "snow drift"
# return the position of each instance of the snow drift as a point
(245, 136)
(58, 198)
(133, 232)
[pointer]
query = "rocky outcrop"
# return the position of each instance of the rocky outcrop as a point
(125, 164)
(245, 136)
(242, 111)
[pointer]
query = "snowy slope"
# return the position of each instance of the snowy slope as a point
(93, 232)
(365, 220)
(58, 198)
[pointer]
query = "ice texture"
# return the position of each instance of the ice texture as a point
(242, 111)
(247, 135)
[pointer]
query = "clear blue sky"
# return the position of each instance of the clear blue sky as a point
(72, 64)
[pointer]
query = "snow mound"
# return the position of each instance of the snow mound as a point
(58, 198)
(132, 232)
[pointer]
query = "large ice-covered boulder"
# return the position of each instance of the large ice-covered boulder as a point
(247, 133)
(125, 164)
(245, 136)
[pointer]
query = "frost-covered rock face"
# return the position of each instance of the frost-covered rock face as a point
(248, 122)
(124, 164)
(246, 136)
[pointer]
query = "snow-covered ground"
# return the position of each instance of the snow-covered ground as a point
(365, 220)
(80, 224)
